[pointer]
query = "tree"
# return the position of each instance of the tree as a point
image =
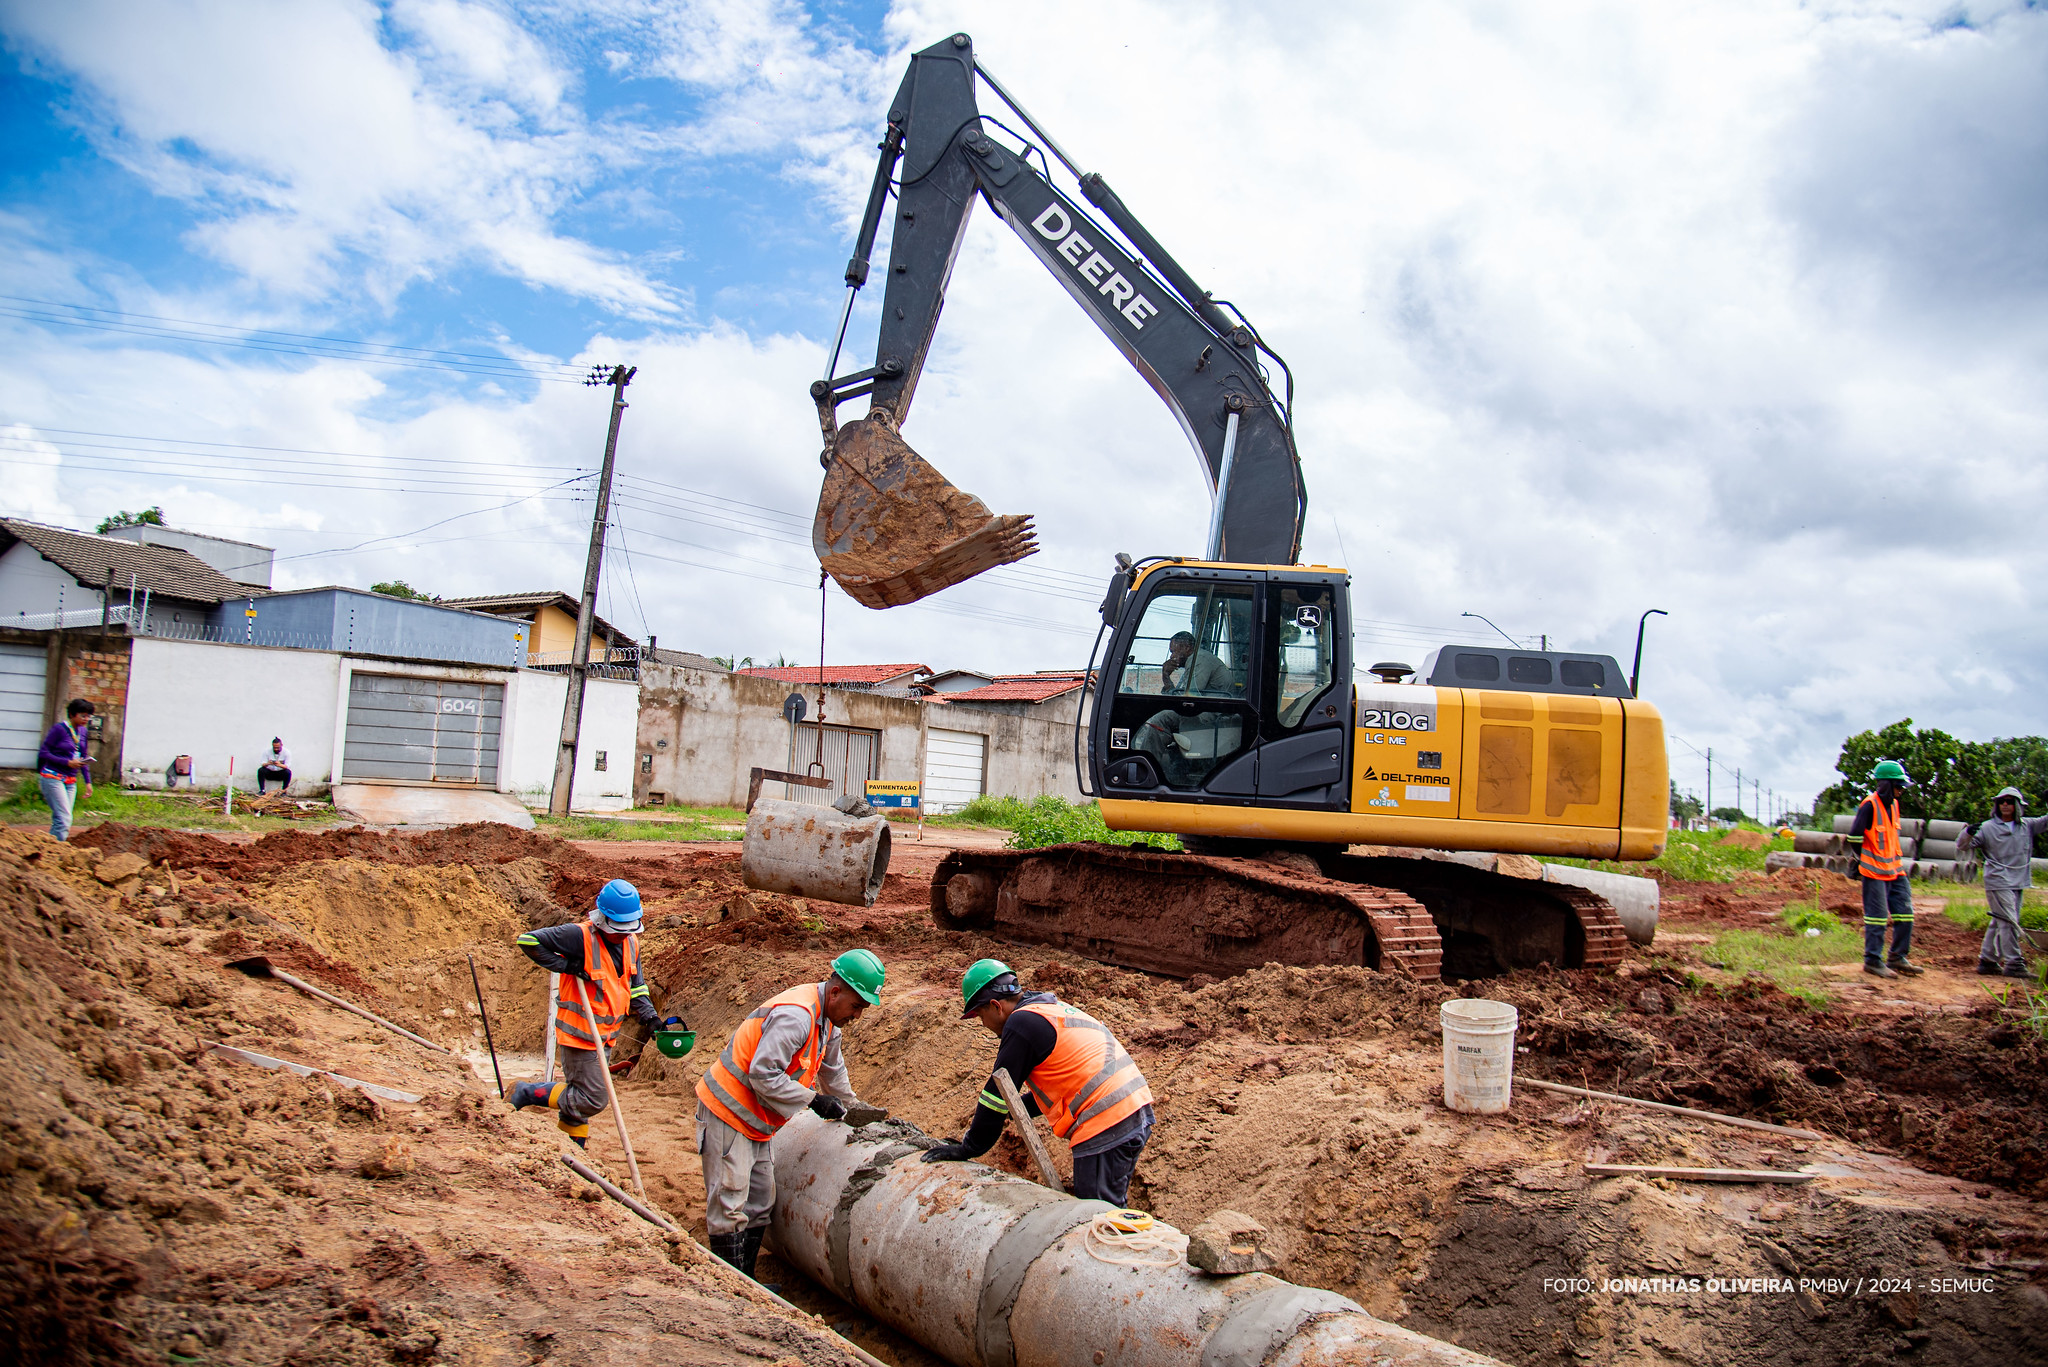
(1951, 779)
(1730, 814)
(148, 517)
(1684, 806)
(398, 588)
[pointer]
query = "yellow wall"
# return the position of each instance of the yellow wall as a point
(554, 633)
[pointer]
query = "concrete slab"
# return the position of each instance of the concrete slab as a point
(379, 804)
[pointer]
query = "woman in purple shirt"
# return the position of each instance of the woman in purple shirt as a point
(61, 765)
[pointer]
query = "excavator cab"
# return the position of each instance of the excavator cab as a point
(1227, 684)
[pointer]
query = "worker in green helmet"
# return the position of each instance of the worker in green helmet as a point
(782, 1059)
(1887, 895)
(1069, 1068)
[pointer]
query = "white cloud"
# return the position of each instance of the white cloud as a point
(1593, 308)
(321, 161)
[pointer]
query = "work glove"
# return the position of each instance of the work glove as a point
(829, 1108)
(954, 1152)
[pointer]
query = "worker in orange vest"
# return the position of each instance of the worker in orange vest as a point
(1887, 896)
(1071, 1070)
(599, 960)
(783, 1058)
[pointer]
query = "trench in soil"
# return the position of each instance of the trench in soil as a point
(1308, 1098)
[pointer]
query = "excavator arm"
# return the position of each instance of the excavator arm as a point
(889, 528)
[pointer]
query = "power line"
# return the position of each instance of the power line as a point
(159, 328)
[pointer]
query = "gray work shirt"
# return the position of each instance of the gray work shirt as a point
(1201, 674)
(783, 1032)
(2008, 851)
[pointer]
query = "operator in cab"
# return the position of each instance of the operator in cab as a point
(1189, 670)
(1070, 1069)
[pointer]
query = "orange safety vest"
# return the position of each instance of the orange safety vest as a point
(1088, 1083)
(611, 995)
(724, 1087)
(1881, 841)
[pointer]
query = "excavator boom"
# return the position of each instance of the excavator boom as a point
(890, 528)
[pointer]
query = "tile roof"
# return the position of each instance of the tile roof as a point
(839, 674)
(1016, 688)
(165, 570)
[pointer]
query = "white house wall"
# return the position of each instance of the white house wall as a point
(611, 712)
(214, 702)
(31, 585)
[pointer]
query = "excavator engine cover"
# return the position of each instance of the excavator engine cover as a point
(891, 529)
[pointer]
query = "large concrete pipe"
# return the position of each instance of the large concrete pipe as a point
(1944, 830)
(1930, 848)
(1634, 899)
(989, 1270)
(820, 852)
(1816, 842)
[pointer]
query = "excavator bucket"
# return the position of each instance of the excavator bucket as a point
(892, 530)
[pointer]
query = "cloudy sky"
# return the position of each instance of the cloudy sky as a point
(1739, 311)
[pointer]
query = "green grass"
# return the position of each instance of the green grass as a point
(987, 813)
(1971, 912)
(1789, 957)
(25, 805)
(604, 828)
(1694, 857)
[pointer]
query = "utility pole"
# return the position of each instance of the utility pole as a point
(1710, 788)
(1738, 794)
(618, 378)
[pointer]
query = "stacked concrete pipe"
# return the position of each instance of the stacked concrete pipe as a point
(989, 1270)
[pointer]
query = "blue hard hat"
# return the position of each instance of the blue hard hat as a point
(618, 907)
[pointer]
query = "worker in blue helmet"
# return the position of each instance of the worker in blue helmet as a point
(599, 960)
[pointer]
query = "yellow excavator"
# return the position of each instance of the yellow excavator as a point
(1223, 705)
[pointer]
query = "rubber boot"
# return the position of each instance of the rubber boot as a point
(753, 1254)
(731, 1248)
(1987, 968)
(1902, 945)
(525, 1094)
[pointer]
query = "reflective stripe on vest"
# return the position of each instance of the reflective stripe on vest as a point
(1881, 841)
(1088, 1083)
(610, 996)
(724, 1087)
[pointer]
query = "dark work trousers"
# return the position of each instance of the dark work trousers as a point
(1887, 903)
(1106, 1176)
(273, 773)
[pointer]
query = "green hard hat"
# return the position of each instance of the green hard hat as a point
(979, 975)
(1891, 769)
(860, 970)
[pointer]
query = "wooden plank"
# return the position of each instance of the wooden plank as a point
(1714, 1116)
(266, 1061)
(756, 777)
(1698, 1174)
(1028, 1128)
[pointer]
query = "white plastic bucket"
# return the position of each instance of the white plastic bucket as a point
(1479, 1055)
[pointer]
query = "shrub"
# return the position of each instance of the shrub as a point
(1049, 820)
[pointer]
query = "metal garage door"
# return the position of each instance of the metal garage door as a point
(422, 730)
(955, 765)
(21, 705)
(851, 754)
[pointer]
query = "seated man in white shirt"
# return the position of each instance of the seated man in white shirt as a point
(276, 767)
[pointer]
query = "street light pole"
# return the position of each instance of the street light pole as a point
(1636, 672)
(1503, 635)
(579, 656)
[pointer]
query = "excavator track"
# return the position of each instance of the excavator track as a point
(1183, 914)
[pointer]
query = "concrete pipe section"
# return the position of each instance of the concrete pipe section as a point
(989, 1270)
(807, 851)
(1634, 899)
